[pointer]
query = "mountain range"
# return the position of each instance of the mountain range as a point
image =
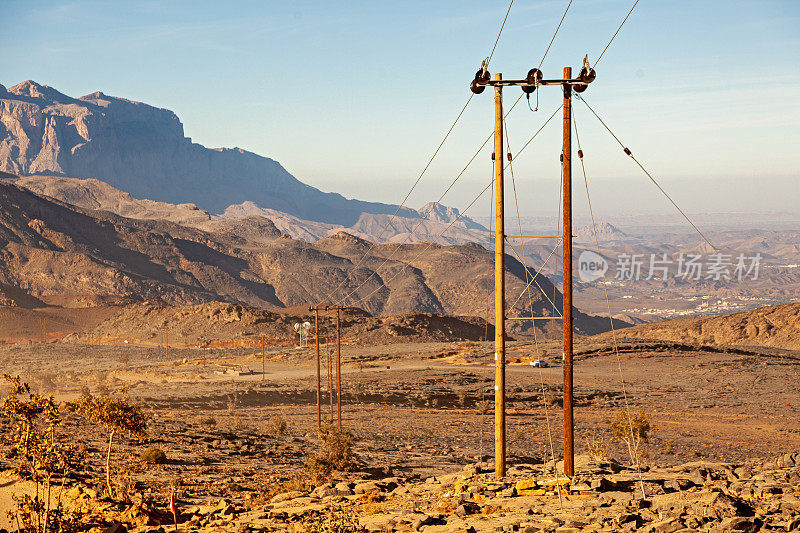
(142, 150)
(52, 253)
(104, 201)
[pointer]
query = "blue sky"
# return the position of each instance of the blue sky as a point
(354, 96)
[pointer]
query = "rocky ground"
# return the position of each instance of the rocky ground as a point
(421, 417)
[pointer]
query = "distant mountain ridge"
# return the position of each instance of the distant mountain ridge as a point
(98, 195)
(53, 254)
(142, 150)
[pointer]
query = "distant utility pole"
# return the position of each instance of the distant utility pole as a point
(338, 309)
(339, 365)
(532, 81)
(316, 310)
(263, 360)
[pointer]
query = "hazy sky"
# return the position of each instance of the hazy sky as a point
(354, 96)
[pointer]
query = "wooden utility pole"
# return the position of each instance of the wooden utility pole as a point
(499, 291)
(316, 339)
(530, 84)
(566, 177)
(330, 375)
(339, 365)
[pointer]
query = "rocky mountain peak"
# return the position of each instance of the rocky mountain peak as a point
(141, 149)
(36, 90)
(605, 231)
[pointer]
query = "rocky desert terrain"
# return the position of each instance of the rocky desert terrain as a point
(238, 429)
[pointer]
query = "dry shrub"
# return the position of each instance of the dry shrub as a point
(32, 438)
(634, 431)
(372, 508)
(336, 521)
(335, 454)
(597, 446)
(373, 496)
(278, 424)
(209, 421)
(153, 456)
(116, 415)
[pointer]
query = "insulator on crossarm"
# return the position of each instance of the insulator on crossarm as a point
(482, 77)
(533, 78)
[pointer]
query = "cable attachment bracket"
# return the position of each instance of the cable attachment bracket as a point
(586, 76)
(482, 77)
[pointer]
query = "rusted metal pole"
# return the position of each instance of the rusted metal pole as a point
(316, 338)
(499, 291)
(566, 176)
(339, 366)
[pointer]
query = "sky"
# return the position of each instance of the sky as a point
(353, 97)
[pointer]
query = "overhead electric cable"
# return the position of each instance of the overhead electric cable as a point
(615, 33)
(635, 454)
(503, 25)
(554, 34)
(410, 234)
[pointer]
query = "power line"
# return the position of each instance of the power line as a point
(399, 207)
(660, 188)
(608, 308)
(424, 170)
(615, 33)
(489, 59)
(554, 34)
(461, 214)
(411, 233)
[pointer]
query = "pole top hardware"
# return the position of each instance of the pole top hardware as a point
(533, 80)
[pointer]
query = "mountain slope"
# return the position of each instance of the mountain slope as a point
(775, 326)
(54, 254)
(64, 256)
(95, 194)
(142, 150)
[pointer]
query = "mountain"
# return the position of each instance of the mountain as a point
(605, 232)
(142, 150)
(95, 194)
(55, 254)
(774, 326)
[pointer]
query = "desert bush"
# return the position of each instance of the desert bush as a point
(42, 459)
(484, 407)
(153, 456)
(463, 398)
(335, 454)
(338, 521)
(208, 421)
(634, 431)
(116, 415)
(278, 424)
(597, 446)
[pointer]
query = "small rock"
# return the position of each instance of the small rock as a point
(369, 486)
(286, 496)
(739, 523)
